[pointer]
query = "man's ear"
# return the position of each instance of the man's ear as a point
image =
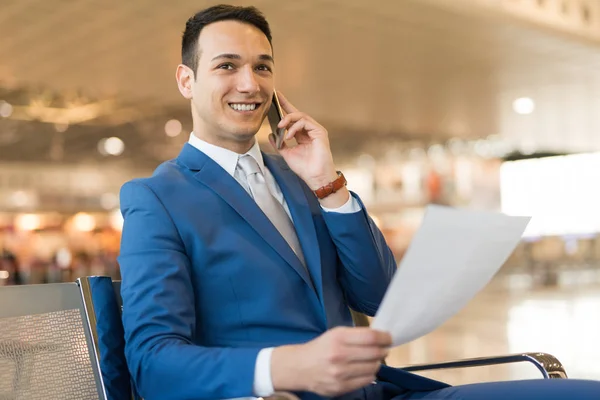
(185, 78)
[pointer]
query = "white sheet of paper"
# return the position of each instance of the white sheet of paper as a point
(452, 256)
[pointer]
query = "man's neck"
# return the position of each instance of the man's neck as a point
(237, 147)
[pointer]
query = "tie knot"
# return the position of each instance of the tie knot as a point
(248, 165)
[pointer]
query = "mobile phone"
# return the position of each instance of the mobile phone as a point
(275, 115)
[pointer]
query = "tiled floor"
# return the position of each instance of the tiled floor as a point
(510, 317)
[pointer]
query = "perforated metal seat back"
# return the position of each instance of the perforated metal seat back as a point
(45, 348)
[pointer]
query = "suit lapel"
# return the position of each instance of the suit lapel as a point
(225, 186)
(297, 202)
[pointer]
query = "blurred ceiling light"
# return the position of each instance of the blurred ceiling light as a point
(20, 198)
(63, 258)
(417, 153)
(366, 161)
(111, 146)
(4, 274)
(28, 222)
(116, 220)
(40, 110)
(436, 151)
(61, 127)
(523, 105)
(499, 147)
(483, 148)
(6, 109)
(456, 146)
(527, 147)
(108, 201)
(173, 128)
(84, 222)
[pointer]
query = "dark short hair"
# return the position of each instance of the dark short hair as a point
(222, 12)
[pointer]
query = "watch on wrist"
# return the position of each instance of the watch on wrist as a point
(331, 187)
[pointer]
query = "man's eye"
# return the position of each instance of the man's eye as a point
(264, 68)
(226, 66)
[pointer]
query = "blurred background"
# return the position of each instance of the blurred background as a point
(482, 104)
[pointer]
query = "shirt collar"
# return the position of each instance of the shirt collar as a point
(227, 159)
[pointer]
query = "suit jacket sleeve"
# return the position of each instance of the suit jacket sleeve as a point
(367, 263)
(159, 314)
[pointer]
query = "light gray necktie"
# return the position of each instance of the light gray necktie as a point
(268, 204)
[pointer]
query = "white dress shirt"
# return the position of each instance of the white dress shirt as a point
(228, 160)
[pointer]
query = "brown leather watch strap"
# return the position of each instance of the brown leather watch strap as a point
(331, 187)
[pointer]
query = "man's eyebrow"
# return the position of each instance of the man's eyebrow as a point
(266, 57)
(228, 56)
(231, 56)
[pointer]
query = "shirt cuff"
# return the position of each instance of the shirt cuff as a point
(351, 206)
(263, 385)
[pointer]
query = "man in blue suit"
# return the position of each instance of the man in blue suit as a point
(239, 268)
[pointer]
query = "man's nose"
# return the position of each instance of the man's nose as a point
(247, 82)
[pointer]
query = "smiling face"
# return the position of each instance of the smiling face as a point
(233, 86)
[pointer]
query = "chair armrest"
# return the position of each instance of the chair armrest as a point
(547, 364)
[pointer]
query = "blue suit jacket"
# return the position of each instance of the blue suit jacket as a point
(207, 281)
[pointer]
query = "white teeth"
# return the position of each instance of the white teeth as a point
(243, 107)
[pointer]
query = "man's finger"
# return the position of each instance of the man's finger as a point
(295, 128)
(363, 369)
(367, 337)
(367, 354)
(290, 119)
